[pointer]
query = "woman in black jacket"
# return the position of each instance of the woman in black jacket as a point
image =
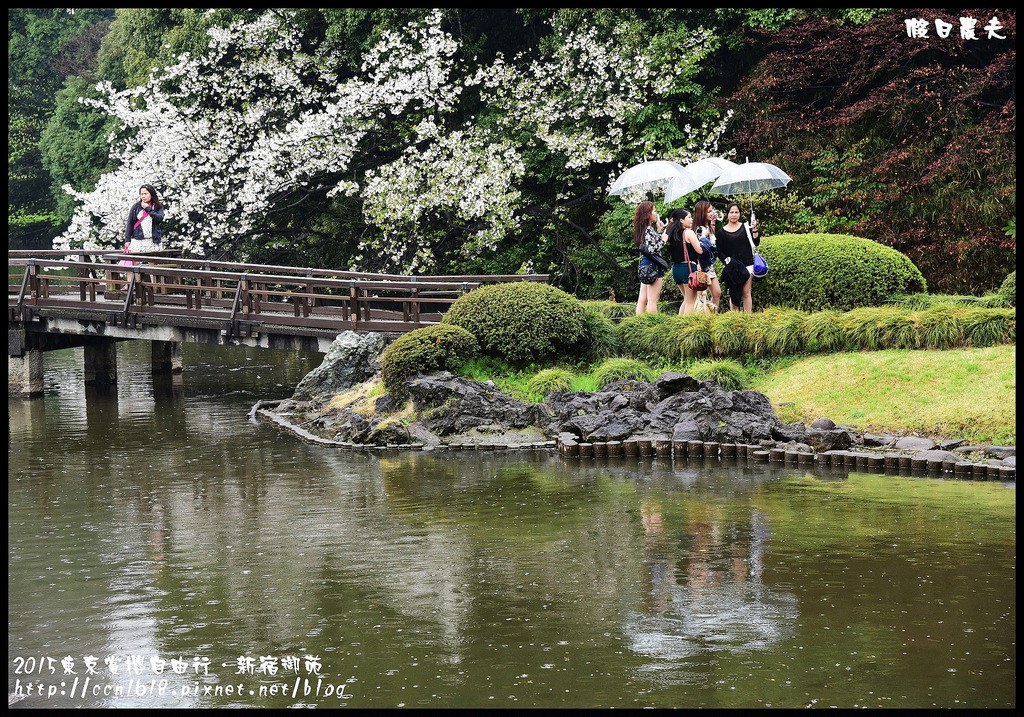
(733, 244)
(145, 219)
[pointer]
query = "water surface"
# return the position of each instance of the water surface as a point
(150, 524)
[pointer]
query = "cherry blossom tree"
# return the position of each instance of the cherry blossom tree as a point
(427, 142)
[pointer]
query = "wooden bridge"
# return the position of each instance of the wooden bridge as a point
(58, 299)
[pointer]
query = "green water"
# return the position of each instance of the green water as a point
(157, 523)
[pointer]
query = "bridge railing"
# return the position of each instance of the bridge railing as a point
(161, 290)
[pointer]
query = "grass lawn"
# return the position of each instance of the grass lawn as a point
(968, 393)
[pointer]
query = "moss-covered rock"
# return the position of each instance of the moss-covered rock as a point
(434, 348)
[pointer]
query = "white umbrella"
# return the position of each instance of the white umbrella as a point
(648, 176)
(701, 172)
(750, 177)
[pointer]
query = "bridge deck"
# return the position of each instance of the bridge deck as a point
(240, 299)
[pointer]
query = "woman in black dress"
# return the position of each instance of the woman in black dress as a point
(733, 244)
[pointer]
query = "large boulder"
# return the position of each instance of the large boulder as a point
(448, 404)
(351, 359)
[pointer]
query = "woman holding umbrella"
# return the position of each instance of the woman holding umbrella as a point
(680, 233)
(734, 246)
(704, 218)
(649, 241)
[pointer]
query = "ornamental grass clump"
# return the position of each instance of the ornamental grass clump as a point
(863, 329)
(692, 336)
(1008, 289)
(728, 374)
(599, 340)
(899, 329)
(550, 380)
(823, 332)
(729, 334)
(522, 321)
(942, 327)
(783, 331)
(637, 335)
(622, 369)
(987, 327)
(434, 348)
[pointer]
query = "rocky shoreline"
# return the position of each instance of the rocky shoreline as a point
(342, 404)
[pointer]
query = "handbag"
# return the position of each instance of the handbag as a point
(703, 306)
(698, 280)
(760, 265)
(127, 250)
(654, 256)
(648, 273)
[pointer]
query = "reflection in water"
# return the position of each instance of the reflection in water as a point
(158, 520)
(715, 600)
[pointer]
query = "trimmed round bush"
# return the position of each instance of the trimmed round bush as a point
(434, 348)
(621, 369)
(522, 321)
(1008, 289)
(813, 272)
(729, 375)
(550, 380)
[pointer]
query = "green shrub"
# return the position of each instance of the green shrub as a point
(729, 375)
(1008, 289)
(550, 380)
(942, 327)
(692, 336)
(637, 334)
(599, 340)
(989, 326)
(622, 369)
(521, 321)
(823, 332)
(433, 348)
(812, 272)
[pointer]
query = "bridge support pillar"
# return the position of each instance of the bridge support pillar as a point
(101, 363)
(166, 357)
(25, 374)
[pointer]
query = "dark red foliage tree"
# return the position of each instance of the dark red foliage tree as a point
(908, 141)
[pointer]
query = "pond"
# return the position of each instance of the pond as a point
(168, 551)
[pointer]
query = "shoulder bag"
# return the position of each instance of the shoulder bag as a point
(698, 280)
(652, 255)
(760, 265)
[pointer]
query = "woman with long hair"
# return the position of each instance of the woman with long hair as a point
(734, 245)
(704, 218)
(144, 222)
(649, 238)
(683, 242)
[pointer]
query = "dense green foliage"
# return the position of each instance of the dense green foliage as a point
(907, 142)
(550, 380)
(521, 321)
(622, 369)
(435, 348)
(830, 271)
(1008, 290)
(46, 47)
(728, 374)
(784, 332)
